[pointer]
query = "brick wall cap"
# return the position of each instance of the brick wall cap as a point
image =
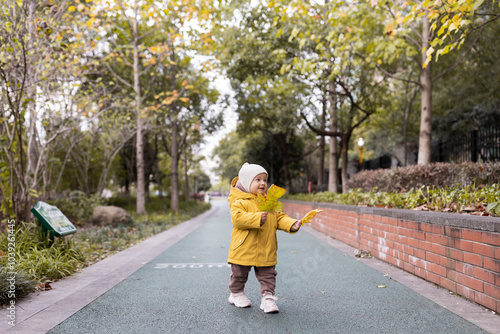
(481, 223)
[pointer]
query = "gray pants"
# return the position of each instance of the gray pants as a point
(265, 275)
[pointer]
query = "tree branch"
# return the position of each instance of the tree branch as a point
(452, 67)
(125, 14)
(319, 131)
(389, 74)
(123, 81)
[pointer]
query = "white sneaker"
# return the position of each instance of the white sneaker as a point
(239, 299)
(268, 304)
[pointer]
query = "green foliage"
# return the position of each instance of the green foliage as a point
(39, 261)
(24, 285)
(470, 98)
(252, 53)
(448, 199)
(78, 206)
(203, 182)
(452, 22)
(494, 208)
(229, 152)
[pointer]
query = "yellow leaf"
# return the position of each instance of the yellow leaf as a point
(276, 191)
(427, 61)
(71, 8)
(453, 26)
(310, 215)
(429, 51)
(184, 99)
(389, 30)
(269, 202)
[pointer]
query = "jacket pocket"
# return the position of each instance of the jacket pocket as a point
(238, 238)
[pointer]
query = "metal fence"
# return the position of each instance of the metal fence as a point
(478, 145)
(474, 146)
(383, 161)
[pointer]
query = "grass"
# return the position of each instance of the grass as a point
(39, 263)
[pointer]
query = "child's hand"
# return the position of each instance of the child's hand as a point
(296, 226)
(263, 218)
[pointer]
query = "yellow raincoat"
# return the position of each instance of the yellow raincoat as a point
(252, 244)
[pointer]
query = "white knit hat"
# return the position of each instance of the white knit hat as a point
(248, 172)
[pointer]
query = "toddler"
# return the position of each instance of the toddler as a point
(253, 240)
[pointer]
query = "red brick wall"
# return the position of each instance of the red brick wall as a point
(460, 253)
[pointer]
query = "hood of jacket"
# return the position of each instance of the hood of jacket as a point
(236, 194)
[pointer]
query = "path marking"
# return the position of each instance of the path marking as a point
(191, 265)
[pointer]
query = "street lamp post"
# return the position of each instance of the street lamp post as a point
(360, 146)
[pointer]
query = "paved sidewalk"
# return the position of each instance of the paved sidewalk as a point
(176, 282)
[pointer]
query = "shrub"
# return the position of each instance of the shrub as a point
(433, 175)
(37, 259)
(468, 199)
(23, 285)
(78, 206)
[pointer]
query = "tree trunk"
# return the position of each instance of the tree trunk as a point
(288, 182)
(146, 188)
(321, 167)
(29, 177)
(174, 194)
(186, 179)
(333, 180)
(345, 148)
(141, 199)
(424, 145)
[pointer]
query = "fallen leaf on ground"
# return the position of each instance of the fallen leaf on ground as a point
(362, 253)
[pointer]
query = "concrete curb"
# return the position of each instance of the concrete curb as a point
(473, 313)
(39, 312)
